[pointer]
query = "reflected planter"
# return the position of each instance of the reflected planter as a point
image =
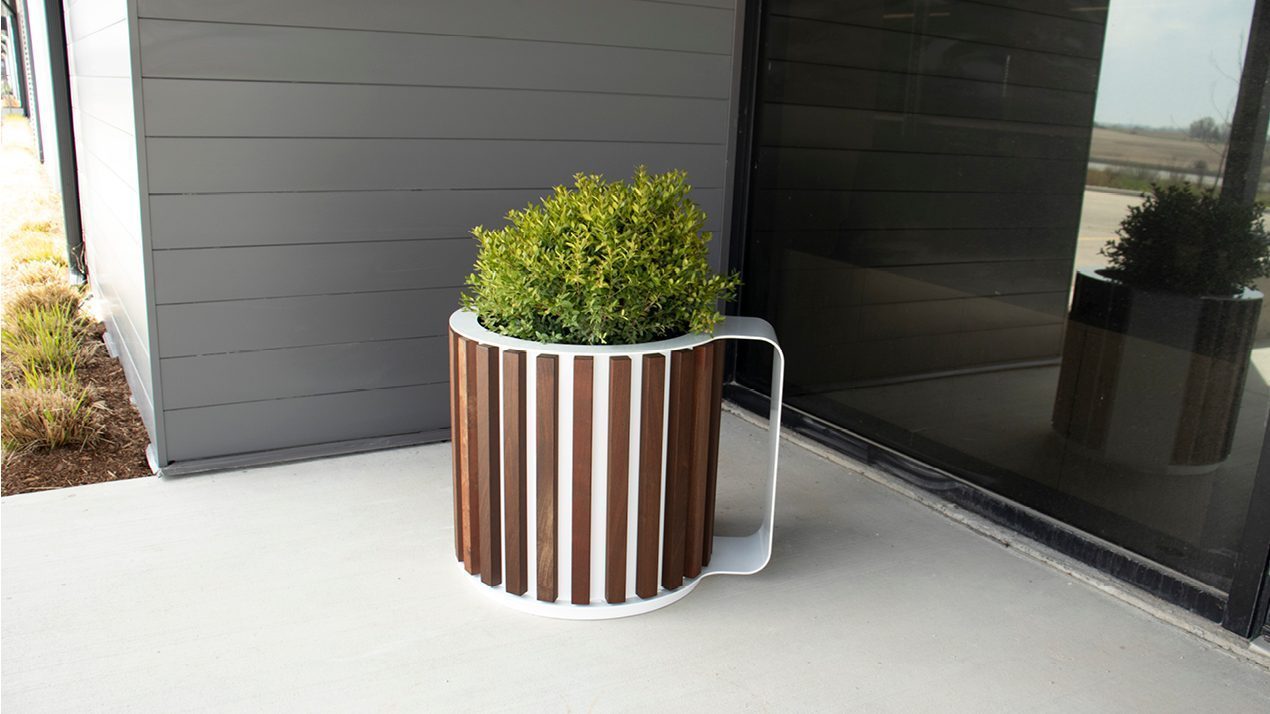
(585, 476)
(1152, 381)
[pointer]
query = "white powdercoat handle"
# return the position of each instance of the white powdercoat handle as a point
(745, 555)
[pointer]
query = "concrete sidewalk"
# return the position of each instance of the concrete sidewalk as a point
(331, 585)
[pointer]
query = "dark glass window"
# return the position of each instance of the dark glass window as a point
(930, 176)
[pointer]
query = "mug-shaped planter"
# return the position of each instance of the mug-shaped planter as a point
(584, 475)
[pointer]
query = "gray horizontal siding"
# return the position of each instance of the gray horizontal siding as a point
(601, 22)
(104, 53)
(215, 327)
(104, 119)
(86, 18)
(300, 54)
(177, 107)
(246, 165)
(108, 99)
(115, 147)
(301, 371)
(211, 220)
(315, 168)
(281, 271)
(207, 432)
(117, 278)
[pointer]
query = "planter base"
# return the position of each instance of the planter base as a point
(584, 476)
(743, 555)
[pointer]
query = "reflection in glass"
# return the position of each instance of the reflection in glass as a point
(922, 198)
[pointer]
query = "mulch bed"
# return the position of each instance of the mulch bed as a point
(119, 455)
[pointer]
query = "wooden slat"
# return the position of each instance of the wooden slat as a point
(456, 446)
(618, 478)
(652, 404)
(698, 459)
(547, 451)
(583, 375)
(467, 459)
(487, 464)
(515, 465)
(678, 468)
(712, 467)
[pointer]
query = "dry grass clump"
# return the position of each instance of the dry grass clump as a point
(39, 272)
(44, 296)
(27, 246)
(42, 418)
(43, 334)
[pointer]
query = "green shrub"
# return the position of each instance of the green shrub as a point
(600, 263)
(43, 339)
(1190, 241)
(49, 418)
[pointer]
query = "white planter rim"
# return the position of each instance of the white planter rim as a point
(1097, 274)
(465, 323)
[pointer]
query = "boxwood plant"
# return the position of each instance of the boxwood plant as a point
(618, 262)
(1191, 241)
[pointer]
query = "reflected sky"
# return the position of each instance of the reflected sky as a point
(1169, 62)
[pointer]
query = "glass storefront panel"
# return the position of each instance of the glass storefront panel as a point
(931, 176)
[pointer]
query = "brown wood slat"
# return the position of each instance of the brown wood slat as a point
(678, 468)
(647, 532)
(712, 468)
(467, 435)
(546, 424)
(698, 459)
(487, 464)
(456, 445)
(515, 470)
(583, 377)
(619, 456)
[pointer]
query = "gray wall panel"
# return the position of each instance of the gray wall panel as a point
(619, 23)
(108, 99)
(118, 198)
(104, 120)
(281, 423)
(104, 53)
(281, 271)
(203, 221)
(217, 51)
(116, 278)
(246, 165)
(177, 107)
(215, 327)
(89, 17)
(115, 148)
(314, 170)
(277, 374)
